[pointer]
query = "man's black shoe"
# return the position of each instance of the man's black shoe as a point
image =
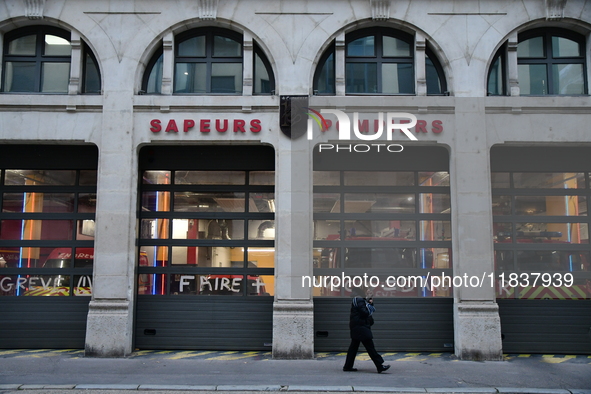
(383, 368)
(350, 369)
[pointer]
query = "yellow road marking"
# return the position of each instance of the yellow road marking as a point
(412, 358)
(180, 355)
(10, 352)
(435, 354)
(555, 360)
(524, 355)
(234, 357)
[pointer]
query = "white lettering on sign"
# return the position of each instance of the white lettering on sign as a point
(184, 282)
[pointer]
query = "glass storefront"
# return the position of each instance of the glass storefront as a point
(541, 234)
(376, 228)
(47, 226)
(207, 232)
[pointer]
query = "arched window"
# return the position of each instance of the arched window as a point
(210, 61)
(378, 61)
(549, 62)
(38, 60)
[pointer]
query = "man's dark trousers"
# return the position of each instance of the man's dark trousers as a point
(371, 350)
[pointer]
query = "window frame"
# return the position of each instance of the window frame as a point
(39, 58)
(548, 60)
(378, 58)
(209, 59)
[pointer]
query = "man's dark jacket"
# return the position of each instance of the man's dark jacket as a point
(360, 321)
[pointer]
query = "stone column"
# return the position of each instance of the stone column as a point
(293, 309)
(109, 330)
(477, 327)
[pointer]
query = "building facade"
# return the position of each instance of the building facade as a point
(212, 174)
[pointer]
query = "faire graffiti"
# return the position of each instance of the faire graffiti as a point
(206, 125)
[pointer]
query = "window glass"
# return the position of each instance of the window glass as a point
(209, 177)
(434, 203)
(395, 47)
(262, 178)
(87, 202)
(55, 77)
(327, 178)
(327, 202)
(501, 205)
(550, 180)
(500, 179)
(326, 79)
(20, 77)
(36, 229)
(154, 229)
(192, 47)
(87, 178)
(435, 230)
(568, 79)
(364, 46)
(361, 77)
(551, 205)
(154, 84)
(533, 79)
(551, 233)
(56, 46)
(378, 178)
(496, 77)
(379, 203)
(40, 177)
(381, 230)
(563, 47)
(226, 78)
(38, 202)
(209, 202)
(23, 46)
(224, 229)
(440, 178)
(156, 201)
(92, 79)
(380, 258)
(156, 177)
(327, 230)
(552, 260)
(262, 80)
(226, 47)
(190, 78)
(433, 81)
(261, 202)
(437, 258)
(532, 48)
(261, 229)
(397, 78)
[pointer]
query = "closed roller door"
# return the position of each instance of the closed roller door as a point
(43, 322)
(400, 325)
(546, 326)
(214, 324)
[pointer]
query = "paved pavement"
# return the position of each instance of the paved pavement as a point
(157, 372)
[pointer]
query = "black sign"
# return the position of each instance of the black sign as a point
(293, 119)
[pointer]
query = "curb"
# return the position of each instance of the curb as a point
(292, 388)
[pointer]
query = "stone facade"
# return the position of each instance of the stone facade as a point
(123, 34)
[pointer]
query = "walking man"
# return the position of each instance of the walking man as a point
(360, 322)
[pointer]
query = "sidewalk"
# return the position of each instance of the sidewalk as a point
(68, 371)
